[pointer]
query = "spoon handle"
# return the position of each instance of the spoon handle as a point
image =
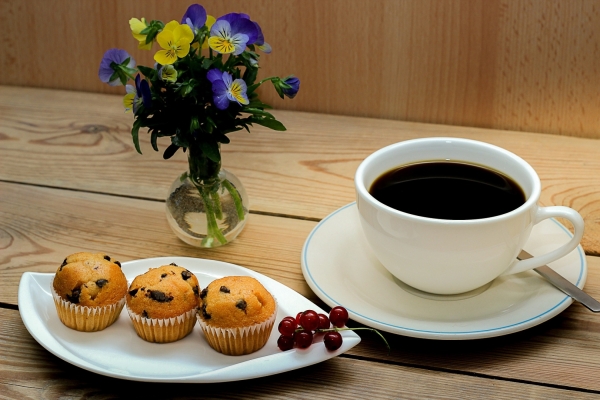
(564, 285)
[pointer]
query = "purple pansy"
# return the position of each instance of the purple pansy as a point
(255, 36)
(114, 67)
(141, 92)
(225, 89)
(241, 23)
(290, 86)
(194, 17)
(260, 40)
(231, 33)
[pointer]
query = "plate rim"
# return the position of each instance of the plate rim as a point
(549, 313)
(316, 353)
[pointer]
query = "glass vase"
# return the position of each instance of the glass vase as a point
(206, 212)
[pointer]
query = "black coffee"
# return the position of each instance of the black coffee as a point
(448, 190)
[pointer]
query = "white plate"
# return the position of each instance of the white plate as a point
(340, 268)
(117, 351)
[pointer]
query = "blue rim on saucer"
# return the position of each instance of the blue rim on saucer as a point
(339, 267)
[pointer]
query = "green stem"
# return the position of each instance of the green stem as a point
(213, 231)
(353, 329)
(253, 87)
(217, 203)
(239, 207)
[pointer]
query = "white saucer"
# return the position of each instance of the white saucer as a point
(340, 268)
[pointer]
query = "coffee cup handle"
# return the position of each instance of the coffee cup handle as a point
(537, 261)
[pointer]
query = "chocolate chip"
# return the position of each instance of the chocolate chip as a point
(186, 275)
(118, 263)
(224, 289)
(163, 275)
(107, 258)
(63, 264)
(159, 296)
(204, 313)
(241, 304)
(204, 293)
(74, 297)
(143, 288)
(133, 292)
(173, 264)
(145, 314)
(101, 282)
(196, 290)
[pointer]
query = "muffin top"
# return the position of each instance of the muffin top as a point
(90, 279)
(164, 292)
(235, 302)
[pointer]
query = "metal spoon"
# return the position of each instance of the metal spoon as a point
(564, 285)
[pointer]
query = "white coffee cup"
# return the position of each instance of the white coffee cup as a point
(443, 256)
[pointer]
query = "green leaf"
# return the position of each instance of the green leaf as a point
(153, 138)
(207, 63)
(257, 111)
(250, 75)
(258, 104)
(221, 138)
(210, 148)
(269, 123)
(170, 151)
(179, 141)
(149, 73)
(278, 89)
(135, 133)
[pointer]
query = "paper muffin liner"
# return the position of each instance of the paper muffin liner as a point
(85, 318)
(163, 330)
(238, 341)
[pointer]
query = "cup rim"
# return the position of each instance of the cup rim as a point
(363, 191)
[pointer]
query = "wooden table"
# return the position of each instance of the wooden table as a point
(70, 180)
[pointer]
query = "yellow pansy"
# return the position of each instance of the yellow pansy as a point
(137, 26)
(175, 40)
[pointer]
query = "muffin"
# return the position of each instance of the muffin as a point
(89, 291)
(236, 315)
(162, 303)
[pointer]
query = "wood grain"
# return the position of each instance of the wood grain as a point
(29, 371)
(529, 65)
(82, 141)
(562, 351)
(58, 222)
(55, 223)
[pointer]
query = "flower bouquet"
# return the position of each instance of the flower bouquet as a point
(202, 87)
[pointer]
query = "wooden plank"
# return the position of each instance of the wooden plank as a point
(28, 370)
(55, 223)
(58, 222)
(521, 64)
(82, 141)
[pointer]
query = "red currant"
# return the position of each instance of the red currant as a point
(285, 342)
(298, 317)
(333, 340)
(338, 316)
(303, 339)
(323, 321)
(309, 320)
(287, 326)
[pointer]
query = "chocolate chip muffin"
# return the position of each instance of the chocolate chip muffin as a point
(236, 314)
(89, 291)
(162, 303)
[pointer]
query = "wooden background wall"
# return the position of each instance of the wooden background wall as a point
(511, 64)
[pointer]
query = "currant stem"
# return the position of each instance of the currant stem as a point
(353, 329)
(364, 329)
